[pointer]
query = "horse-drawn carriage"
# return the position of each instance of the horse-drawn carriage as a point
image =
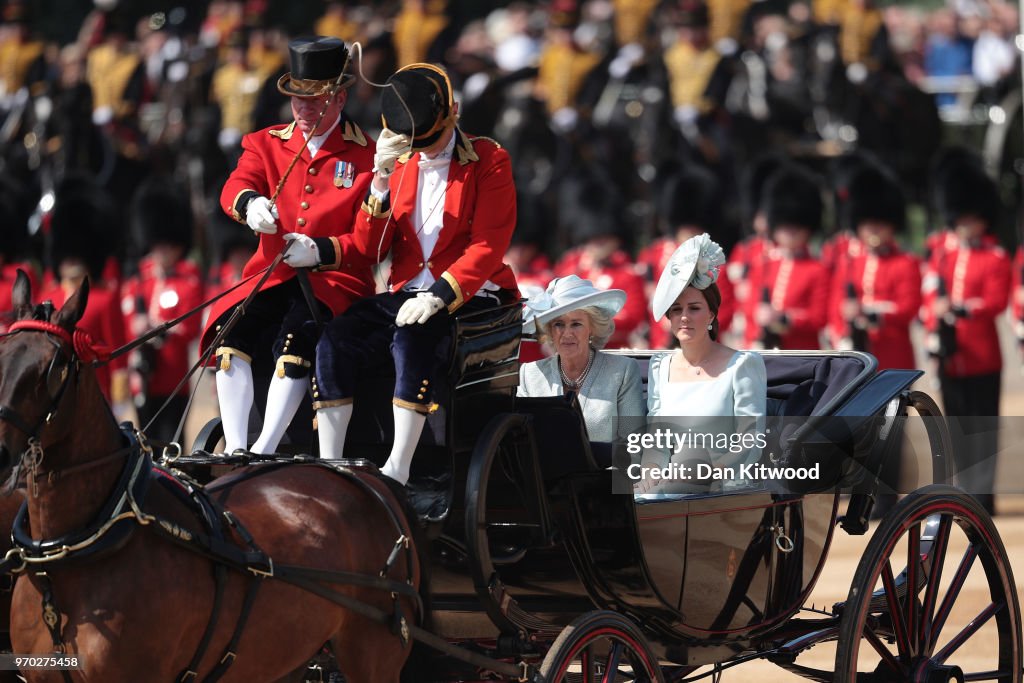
(532, 568)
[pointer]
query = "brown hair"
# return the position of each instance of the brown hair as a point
(713, 295)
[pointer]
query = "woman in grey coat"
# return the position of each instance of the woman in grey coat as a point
(576, 319)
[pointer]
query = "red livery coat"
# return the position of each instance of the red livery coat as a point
(311, 202)
(1017, 300)
(479, 218)
(977, 281)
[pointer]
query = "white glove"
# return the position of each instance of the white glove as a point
(260, 216)
(418, 309)
(303, 253)
(390, 146)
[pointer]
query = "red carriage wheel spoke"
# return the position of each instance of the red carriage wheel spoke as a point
(882, 650)
(987, 676)
(913, 562)
(588, 664)
(899, 626)
(952, 592)
(938, 555)
(972, 627)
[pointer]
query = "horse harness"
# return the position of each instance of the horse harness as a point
(125, 510)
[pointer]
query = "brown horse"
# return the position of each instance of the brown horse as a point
(138, 611)
(9, 505)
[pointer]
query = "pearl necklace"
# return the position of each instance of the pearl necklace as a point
(575, 385)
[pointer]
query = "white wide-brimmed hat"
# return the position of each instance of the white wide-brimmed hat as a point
(696, 262)
(565, 294)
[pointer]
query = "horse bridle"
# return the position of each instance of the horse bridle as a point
(58, 375)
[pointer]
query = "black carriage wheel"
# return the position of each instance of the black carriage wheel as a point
(594, 645)
(898, 628)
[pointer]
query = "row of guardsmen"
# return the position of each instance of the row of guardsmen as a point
(863, 291)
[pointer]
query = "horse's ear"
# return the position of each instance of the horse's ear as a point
(71, 312)
(21, 296)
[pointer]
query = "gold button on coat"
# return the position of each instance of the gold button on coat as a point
(304, 205)
(301, 222)
(308, 188)
(312, 171)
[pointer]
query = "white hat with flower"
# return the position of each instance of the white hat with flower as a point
(566, 294)
(697, 262)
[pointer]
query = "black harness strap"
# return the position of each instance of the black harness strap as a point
(230, 651)
(51, 617)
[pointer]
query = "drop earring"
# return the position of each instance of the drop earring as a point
(710, 327)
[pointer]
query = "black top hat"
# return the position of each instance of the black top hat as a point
(418, 103)
(970, 192)
(874, 194)
(316, 64)
(690, 198)
(160, 214)
(793, 196)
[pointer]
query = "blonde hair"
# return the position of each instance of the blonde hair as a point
(602, 327)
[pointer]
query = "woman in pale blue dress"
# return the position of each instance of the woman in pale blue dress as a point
(704, 378)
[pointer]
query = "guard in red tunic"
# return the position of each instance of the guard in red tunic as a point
(876, 288)
(689, 206)
(977, 278)
(318, 203)
(443, 204)
(788, 303)
(596, 225)
(166, 286)
(751, 253)
(78, 247)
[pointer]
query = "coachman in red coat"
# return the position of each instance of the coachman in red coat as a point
(318, 202)
(443, 204)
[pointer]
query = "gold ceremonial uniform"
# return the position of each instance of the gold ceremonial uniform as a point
(631, 17)
(415, 31)
(725, 18)
(235, 89)
(689, 71)
(16, 58)
(561, 74)
(858, 27)
(109, 71)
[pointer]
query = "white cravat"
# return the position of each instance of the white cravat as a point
(314, 143)
(428, 213)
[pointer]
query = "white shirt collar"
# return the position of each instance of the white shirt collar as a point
(442, 157)
(314, 143)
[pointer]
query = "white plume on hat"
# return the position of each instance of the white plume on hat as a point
(698, 262)
(565, 294)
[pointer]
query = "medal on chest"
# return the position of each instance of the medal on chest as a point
(344, 173)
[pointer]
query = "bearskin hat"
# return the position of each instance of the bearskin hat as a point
(874, 194)
(690, 197)
(160, 214)
(84, 225)
(793, 196)
(970, 192)
(754, 176)
(946, 165)
(15, 209)
(590, 209)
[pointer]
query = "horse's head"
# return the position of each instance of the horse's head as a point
(40, 371)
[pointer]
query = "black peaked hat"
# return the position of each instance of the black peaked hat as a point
(754, 177)
(160, 214)
(418, 103)
(875, 194)
(316, 64)
(793, 196)
(970, 192)
(690, 198)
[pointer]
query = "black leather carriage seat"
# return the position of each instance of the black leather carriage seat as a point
(810, 385)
